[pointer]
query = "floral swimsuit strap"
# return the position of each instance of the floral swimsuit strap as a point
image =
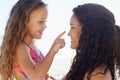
(35, 57)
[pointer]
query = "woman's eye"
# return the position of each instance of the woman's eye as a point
(72, 28)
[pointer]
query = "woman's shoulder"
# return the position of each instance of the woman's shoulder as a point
(98, 74)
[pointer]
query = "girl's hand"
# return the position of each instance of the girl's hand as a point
(47, 77)
(52, 78)
(58, 43)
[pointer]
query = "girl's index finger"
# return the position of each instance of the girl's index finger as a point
(60, 35)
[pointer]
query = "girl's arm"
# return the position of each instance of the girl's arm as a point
(39, 70)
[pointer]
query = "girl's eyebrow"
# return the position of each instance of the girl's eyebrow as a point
(43, 18)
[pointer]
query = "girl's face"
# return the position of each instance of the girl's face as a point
(74, 32)
(37, 23)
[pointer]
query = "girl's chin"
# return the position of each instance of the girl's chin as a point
(38, 37)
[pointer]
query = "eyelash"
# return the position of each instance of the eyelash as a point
(41, 21)
(72, 28)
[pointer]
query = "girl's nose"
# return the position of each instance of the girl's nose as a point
(44, 26)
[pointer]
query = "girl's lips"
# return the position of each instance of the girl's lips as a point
(72, 41)
(40, 32)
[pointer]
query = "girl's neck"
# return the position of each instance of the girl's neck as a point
(28, 40)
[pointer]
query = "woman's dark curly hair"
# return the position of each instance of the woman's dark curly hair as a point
(96, 44)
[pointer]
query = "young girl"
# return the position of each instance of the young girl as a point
(20, 59)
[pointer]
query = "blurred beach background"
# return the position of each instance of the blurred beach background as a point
(58, 20)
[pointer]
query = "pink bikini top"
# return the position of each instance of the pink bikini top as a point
(35, 57)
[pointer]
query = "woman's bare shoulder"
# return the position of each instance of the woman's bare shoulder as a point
(97, 75)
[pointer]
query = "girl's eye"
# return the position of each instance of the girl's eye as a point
(41, 21)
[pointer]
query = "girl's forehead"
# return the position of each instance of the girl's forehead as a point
(39, 11)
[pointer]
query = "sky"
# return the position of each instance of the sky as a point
(60, 12)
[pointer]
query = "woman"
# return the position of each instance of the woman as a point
(92, 35)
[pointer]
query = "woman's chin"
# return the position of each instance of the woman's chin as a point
(73, 47)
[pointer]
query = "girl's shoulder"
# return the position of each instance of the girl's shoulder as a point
(21, 48)
(20, 52)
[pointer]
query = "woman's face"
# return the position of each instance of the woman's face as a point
(74, 32)
(37, 23)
